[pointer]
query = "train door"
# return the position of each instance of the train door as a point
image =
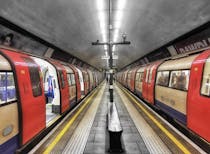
(51, 88)
(72, 86)
(8, 109)
(125, 78)
(132, 82)
(128, 80)
(81, 82)
(77, 82)
(30, 88)
(90, 79)
(87, 82)
(149, 82)
(139, 81)
(145, 83)
(63, 87)
(198, 100)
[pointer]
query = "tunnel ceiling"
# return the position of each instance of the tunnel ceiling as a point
(73, 24)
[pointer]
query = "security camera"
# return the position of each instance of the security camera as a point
(124, 37)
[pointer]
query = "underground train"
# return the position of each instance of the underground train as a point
(180, 87)
(34, 91)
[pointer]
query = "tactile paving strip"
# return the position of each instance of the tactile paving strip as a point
(152, 141)
(79, 138)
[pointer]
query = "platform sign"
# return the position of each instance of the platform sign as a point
(197, 42)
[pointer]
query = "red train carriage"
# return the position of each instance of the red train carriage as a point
(63, 86)
(31, 95)
(77, 79)
(198, 99)
(172, 87)
(149, 81)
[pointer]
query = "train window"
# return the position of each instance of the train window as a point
(137, 76)
(205, 89)
(150, 74)
(60, 72)
(86, 77)
(69, 79)
(162, 78)
(179, 79)
(141, 77)
(34, 76)
(7, 88)
(73, 79)
(147, 75)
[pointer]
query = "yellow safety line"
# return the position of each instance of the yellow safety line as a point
(59, 136)
(180, 145)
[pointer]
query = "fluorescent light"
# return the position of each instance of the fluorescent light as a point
(117, 24)
(118, 15)
(121, 4)
(101, 16)
(100, 4)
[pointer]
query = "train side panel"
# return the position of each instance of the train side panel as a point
(31, 93)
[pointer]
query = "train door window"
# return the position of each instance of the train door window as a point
(60, 72)
(141, 75)
(69, 79)
(205, 88)
(129, 77)
(73, 79)
(162, 78)
(7, 88)
(150, 74)
(147, 75)
(34, 76)
(179, 79)
(137, 76)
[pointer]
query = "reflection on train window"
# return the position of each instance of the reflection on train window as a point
(162, 78)
(179, 79)
(205, 89)
(34, 76)
(7, 87)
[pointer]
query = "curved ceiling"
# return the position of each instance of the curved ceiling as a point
(73, 24)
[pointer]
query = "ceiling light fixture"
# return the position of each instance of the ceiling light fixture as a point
(118, 17)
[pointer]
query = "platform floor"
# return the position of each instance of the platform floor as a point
(85, 130)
